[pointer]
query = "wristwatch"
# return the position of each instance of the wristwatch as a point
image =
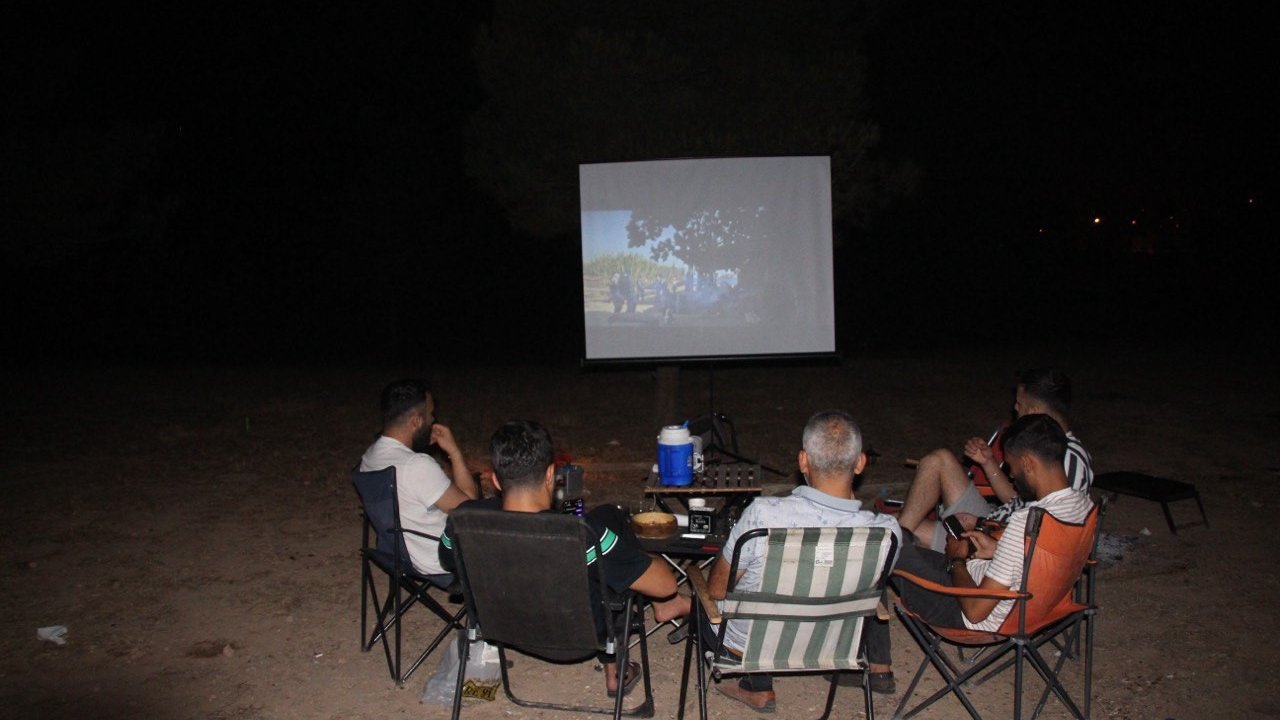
(952, 563)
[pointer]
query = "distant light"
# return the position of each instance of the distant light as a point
(1250, 201)
(1097, 221)
(1042, 230)
(1133, 222)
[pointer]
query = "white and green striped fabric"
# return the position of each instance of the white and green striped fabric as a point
(818, 586)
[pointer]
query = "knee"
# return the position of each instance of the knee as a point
(939, 459)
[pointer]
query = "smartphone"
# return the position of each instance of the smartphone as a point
(953, 526)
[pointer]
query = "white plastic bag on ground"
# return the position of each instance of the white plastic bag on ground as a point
(484, 675)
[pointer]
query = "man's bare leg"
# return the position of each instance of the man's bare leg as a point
(939, 478)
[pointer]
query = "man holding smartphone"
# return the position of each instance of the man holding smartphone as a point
(1035, 446)
(941, 477)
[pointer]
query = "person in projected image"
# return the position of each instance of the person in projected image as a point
(424, 491)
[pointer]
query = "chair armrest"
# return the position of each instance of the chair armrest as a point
(702, 594)
(419, 534)
(959, 592)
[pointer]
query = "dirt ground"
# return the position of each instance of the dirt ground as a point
(196, 529)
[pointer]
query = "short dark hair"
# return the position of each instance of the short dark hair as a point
(400, 397)
(1049, 386)
(1039, 435)
(520, 451)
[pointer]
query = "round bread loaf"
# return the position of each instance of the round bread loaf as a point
(653, 524)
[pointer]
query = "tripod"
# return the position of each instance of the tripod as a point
(716, 426)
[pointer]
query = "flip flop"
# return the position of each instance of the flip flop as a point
(629, 680)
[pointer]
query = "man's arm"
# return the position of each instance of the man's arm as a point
(718, 582)
(464, 486)
(977, 450)
(975, 609)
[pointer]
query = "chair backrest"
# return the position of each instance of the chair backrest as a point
(817, 587)
(525, 579)
(1057, 552)
(377, 491)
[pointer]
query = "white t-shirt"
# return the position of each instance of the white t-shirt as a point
(1005, 567)
(419, 484)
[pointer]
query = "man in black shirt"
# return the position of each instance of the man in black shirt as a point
(524, 471)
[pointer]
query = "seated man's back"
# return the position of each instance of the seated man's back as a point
(423, 492)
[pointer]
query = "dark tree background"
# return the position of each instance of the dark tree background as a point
(281, 181)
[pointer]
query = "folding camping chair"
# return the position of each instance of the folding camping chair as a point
(1055, 601)
(527, 587)
(405, 585)
(818, 586)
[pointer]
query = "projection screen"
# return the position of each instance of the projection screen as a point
(707, 258)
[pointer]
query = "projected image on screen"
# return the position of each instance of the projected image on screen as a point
(707, 258)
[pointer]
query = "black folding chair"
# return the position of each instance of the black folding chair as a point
(406, 586)
(527, 588)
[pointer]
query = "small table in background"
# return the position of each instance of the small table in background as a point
(735, 484)
(1161, 490)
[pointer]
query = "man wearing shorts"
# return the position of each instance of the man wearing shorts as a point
(941, 478)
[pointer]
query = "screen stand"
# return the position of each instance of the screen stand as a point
(720, 426)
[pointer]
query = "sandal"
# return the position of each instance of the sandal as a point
(628, 681)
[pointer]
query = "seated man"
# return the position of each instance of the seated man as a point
(831, 456)
(524, 471)
(425, 493)
(942, 478)
(1034, 447)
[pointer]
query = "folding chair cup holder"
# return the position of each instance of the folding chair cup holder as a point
(406, 588)
(818, 587)
(1054, 606)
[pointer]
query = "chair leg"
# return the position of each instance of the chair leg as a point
(831, 696)
(1051, 679)
(364, 603)
(1020, 653)
(440, 636)
(692, 640)
(943, 666)
(1199, 504)
(1088, 663)
(464, 648)
(621, 658)
(1168, 517)
(399, 612)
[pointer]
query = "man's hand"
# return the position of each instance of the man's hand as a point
(984, 546)
(442, 437)
(958, 548)
(977, 450)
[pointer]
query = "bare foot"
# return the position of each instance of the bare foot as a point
(678, 606)
(758, 700)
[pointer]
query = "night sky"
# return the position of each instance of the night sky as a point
(282, 182)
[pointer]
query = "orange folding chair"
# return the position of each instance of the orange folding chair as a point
(1053, 605)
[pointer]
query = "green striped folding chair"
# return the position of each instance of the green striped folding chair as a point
(818, 586)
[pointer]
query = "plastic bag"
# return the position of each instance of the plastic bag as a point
(484, 674)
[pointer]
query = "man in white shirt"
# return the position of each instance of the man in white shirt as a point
(831, 457)
(1034, 447)
(424, 491)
